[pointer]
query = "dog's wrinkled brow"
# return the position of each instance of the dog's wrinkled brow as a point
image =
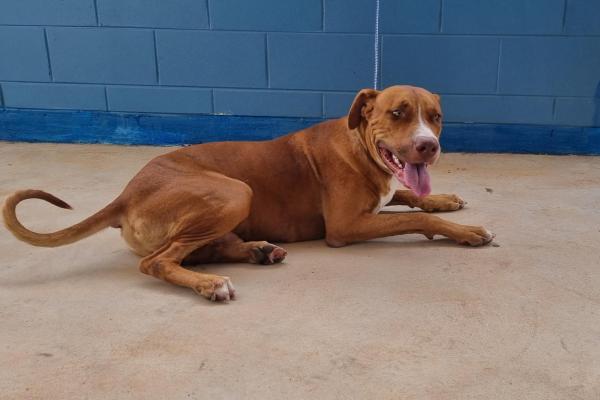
(402, 105)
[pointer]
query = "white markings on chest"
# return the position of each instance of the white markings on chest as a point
(387, 197)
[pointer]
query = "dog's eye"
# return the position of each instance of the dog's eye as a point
(399, 113)
(437, 117)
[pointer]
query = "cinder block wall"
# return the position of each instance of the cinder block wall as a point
(493, 61)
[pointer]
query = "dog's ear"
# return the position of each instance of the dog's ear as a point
(359, 108)
(437, 97)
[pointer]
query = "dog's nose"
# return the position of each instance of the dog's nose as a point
(426, 146)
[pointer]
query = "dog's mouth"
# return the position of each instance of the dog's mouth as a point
(413, 176)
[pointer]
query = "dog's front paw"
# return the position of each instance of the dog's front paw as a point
(216, 288)
(441, 202)
(475, 236)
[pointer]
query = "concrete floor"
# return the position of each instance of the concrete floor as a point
(396, 318)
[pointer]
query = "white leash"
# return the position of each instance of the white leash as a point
(376, 45)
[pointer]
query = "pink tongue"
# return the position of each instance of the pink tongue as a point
(417, 179)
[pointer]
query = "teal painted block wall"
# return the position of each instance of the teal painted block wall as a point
(495, 61)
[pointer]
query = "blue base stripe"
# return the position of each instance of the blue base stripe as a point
(150, 129)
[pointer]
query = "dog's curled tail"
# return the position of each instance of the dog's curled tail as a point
(95, 223)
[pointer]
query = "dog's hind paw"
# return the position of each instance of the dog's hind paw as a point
(267, 254)
(218, 288)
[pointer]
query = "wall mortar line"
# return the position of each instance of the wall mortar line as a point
(210, 25)
(106, 98)
(96, 12)
(498, 66)
(156, 58)
(564, 16)
(48, 55)
(440, 17)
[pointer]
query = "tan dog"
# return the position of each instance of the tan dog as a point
(222, 202)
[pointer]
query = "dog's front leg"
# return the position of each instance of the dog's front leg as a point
(431, 203)
(344, 227)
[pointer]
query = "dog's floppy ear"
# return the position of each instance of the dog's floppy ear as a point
(363, 98)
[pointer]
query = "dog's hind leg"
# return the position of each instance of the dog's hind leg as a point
(165, 265)
(230, 248)
(199, 212)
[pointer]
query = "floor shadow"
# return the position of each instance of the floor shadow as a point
(117, 265)
(157, 286)
(122, 265)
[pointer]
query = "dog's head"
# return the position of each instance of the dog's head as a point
(401, 126)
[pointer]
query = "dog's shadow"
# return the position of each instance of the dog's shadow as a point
(121, 264)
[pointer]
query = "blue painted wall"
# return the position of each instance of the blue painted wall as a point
(493, 61)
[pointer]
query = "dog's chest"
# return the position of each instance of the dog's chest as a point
(387, 197)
